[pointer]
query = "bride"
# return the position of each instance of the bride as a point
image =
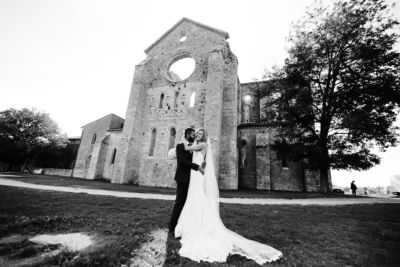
(204, 237)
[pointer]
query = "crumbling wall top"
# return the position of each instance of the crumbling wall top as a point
(212, 29)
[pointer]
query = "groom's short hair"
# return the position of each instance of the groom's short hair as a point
(188, 131)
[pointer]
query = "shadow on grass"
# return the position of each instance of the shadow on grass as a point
(172, 257)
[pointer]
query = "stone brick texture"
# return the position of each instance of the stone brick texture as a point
(214, 82)
(241, 142)
(87, 160)
(260, 167)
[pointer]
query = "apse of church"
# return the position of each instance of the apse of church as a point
(162, 104)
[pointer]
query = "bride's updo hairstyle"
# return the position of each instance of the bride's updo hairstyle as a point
(205, 134)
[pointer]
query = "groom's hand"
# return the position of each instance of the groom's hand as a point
(201, 170)
(204, 165)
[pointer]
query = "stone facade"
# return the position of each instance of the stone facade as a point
(98, 140)
(260, 167)
(161, 106)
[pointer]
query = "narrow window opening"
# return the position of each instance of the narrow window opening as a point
(247, 99)
(176, 99)
(192, 99)
(161, 101)
(152, 142)
(183, 39)
(113, 156)
(172, 135)
(284, 162)
(246, 113)
(94, 139)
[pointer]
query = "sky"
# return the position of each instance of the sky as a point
(75, 59)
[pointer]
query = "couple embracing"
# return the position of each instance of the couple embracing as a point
(195, 217)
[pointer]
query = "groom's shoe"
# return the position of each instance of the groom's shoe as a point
(171, 234)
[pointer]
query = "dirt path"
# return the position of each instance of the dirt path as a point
(248, 201)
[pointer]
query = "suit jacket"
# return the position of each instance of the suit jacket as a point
(185, 164)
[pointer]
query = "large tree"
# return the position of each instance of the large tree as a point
(26, 132)
(338, 93)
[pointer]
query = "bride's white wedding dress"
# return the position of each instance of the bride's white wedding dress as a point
(203, 235)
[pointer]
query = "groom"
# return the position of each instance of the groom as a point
(182, 177)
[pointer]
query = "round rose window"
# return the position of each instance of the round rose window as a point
(181, 69)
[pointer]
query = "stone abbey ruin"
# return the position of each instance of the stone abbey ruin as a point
(161, 105)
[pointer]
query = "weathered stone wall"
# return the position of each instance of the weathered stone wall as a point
(116, 123)
(100, 150)
(112, 142)
(88, 153)
(214, 100)
(53, 171)
(98, 127)
(128, 156)
(288, 178)
(248, 155)
(158, 169)
(157, 105)
(261, 167)
(144, 114)
(263, 160)
(254, 162)
(228, 163)
(285, 178)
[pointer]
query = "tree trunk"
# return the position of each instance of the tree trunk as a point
(24, 165)
(324, 180)
(303, 173)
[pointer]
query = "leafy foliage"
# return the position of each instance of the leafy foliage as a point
(338, 93)
(26, 132)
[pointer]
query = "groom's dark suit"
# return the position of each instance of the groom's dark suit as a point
(182, 178)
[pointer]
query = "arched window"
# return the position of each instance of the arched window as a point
(176, 99)
(246, 108)
(94, 139)
(246, 113)
(284, 162)
(172, 135)
(152, 142)
(192, 99)
(161, 101)
(247, 99)
(113, 156)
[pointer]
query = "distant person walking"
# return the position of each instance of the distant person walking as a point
(353, 188)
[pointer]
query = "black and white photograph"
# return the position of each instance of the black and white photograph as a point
(199, 133)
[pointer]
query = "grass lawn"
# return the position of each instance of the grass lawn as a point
(351, 235)
(100, 184)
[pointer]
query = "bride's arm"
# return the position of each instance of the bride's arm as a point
(201, 146)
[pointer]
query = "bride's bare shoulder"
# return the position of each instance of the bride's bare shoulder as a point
(204, 148)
